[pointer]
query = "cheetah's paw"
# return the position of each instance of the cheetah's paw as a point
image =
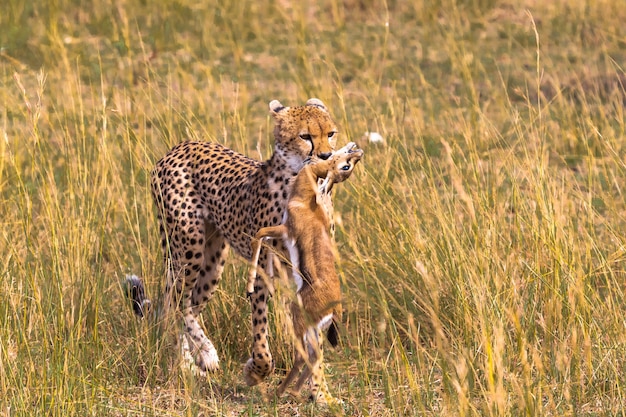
(200, 361)
(207, 359)
(252, 376)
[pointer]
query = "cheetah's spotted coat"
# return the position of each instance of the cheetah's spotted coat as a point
(210, 198)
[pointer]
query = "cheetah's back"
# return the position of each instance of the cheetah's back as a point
(207, 181)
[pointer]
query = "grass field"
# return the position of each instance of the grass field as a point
(482, 246)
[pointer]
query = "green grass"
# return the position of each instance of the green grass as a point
(482, 246)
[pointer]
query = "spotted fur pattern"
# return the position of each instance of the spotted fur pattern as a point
(211, 198)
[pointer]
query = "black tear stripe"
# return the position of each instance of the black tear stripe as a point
(312, 148)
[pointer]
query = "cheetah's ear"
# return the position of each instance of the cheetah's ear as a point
(317, 103)
(276, 107)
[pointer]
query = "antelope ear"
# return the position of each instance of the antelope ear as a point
(317, 103)
(276, 107)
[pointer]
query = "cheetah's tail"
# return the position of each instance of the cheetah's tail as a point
(135, 291)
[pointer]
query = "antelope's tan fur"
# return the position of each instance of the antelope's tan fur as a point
(305, 233)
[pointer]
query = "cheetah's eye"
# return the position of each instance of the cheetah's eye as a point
(345, 167)
(331, 134)
(305, 136)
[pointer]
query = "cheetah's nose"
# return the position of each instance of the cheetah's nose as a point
(325, 155)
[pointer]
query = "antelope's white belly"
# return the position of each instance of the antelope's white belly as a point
(295, 261)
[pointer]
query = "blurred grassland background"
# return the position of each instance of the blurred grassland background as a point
(482, 245)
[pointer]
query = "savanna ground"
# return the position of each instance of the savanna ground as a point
(482, 245)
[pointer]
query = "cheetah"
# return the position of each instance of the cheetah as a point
(210, 198)
(305, 231)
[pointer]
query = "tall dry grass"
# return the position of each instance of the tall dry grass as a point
(481, 245)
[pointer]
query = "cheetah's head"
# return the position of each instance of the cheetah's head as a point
(302, 132)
